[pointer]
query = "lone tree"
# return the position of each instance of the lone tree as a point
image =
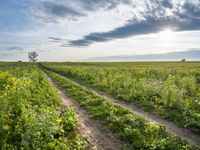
(183, 60)
(32, 56)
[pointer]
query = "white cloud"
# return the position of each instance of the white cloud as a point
(78, 18)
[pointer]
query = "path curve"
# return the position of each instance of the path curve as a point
(97, 137)
(171, 127)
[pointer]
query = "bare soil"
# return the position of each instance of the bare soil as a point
(171, 127)
(98, 137)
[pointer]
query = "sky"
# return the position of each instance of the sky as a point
(81, 30)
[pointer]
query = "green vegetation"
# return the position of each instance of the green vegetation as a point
(168, 89)
(134, 131)
(31, 116)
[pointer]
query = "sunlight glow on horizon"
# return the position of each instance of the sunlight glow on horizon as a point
(167, 35)
(62, 31)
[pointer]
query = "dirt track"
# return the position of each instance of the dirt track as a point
(97, 137)
(171, 127)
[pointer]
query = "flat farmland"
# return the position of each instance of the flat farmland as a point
(141, 105)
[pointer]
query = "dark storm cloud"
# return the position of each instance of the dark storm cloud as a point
(185, 17)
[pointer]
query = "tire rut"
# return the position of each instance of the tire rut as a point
(171, 127)
(97, 137)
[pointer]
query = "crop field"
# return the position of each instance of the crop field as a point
(80, 106)
(31, 116)
(171, 90)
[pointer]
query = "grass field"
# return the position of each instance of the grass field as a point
(32, 115)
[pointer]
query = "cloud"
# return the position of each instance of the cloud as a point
(190, 10)
(10, 51)
(15, 48)
(57, 10)
(60, 10)
(153, 18)
(47, 11)
(79, 43)
(91, 5)
(55, 39)
(167, 3)
(3, 55)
